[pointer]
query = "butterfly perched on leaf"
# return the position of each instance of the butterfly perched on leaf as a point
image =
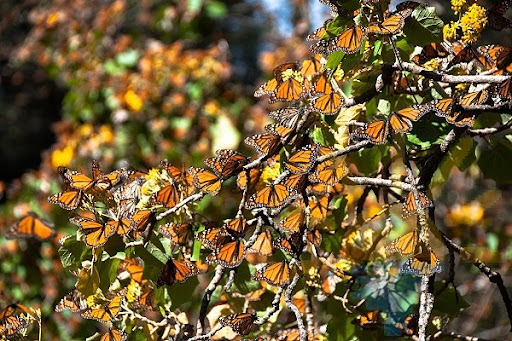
(31, 225)
(240, 323)
(106, 311)
(95, 233)
(401, 121)
(376, 132)
(178, 233)
(176, 271)
(114, 335)
(275, 273)
(391, 25)
(349, 41)
(273, 196)
(98, 183)
(74, 301)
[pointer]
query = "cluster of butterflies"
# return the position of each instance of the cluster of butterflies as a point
(14, 319)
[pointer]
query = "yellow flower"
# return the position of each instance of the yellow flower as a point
(62, 157)
(270, 173)
(469, 214)
(106, 134)
(457, 5)
(133, 100)
(289, 73)
(450, 30)
(356, 244)
(338, 74)
(85, 129)
(432, 64)
(212, 108)
(473, 22)
(462, 86)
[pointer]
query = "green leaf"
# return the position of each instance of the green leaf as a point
(495, 162)
(428, 131)
(367, 160)
(216, 9)
(384, 106)
(128, 58)
(112, 68)
(334, 59)
(426, 26)
(71, 253)
(461, 156)
(448, 303)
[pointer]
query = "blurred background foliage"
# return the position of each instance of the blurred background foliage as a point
(134, 82)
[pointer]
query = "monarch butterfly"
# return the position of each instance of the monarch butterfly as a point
(145, 299)
(206, 181)
(425, 263)
(99, 182)
(228, 163)
(405, 245)
(410, 325)
(276, 274)
(319, 207)
(462, 119)
(300, 303)
(292, 245)
(96, 234)
(462, 54)
(329, 172)
(311, 66)
(441, 107)
(287, 91)
(278, 70)
(415, 201)
(368, 320)
(141, 221)
(263, 244)
(179, 234)
(69, 200)
(31, 225)
(329, 104)
(266, 88)
(390, 25)
(505, 89)
(430, 51)
(349, 41)
(169, 196)
(114, 335)
(175, 270)
(495, 18)
(295, 181)
(376, 132)
(272, 196)
(264, 143)
(314, 236)
(474, 98)
(323, 84)
(174, 172)
(106, 313)
(133, 267)
(293, 223)
(212, 237)
(229, 254)
(74, 301)
(248, 182)
(236, 227)
(287, 117)
(279, 130)
(401, 120)
(121, 226)
(494, 56)
(10, 324)
(240, 323)
(303, 160)
(319, 33)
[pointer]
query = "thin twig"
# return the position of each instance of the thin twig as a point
(219, 271)
(275, 307)
(289, 304)
(193, 197)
